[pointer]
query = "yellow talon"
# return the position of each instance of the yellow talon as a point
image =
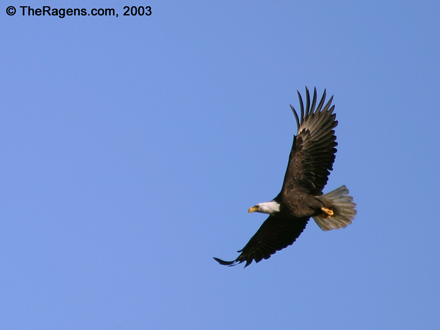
(329, 212)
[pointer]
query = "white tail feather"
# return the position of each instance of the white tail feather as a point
(341, 203)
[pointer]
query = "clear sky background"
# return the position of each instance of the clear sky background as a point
(132, 147)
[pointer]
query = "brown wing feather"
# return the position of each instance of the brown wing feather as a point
(313, 150)
(275, 234)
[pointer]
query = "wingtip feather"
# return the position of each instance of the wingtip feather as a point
(226, 263)
(296, 116)
(301, 104)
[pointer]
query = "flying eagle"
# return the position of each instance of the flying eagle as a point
(310, 162)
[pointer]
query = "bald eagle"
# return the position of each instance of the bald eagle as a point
(310, 162)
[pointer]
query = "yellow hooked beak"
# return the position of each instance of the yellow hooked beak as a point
(253, 209)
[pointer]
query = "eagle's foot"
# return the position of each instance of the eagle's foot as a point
(328, 212)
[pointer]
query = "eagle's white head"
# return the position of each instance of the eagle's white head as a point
(271, 207)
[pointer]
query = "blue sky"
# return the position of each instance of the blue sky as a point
(132, 148)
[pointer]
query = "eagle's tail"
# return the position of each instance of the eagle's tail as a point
(339, 210)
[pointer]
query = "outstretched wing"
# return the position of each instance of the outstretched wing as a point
(275, 234)
(314, 147)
